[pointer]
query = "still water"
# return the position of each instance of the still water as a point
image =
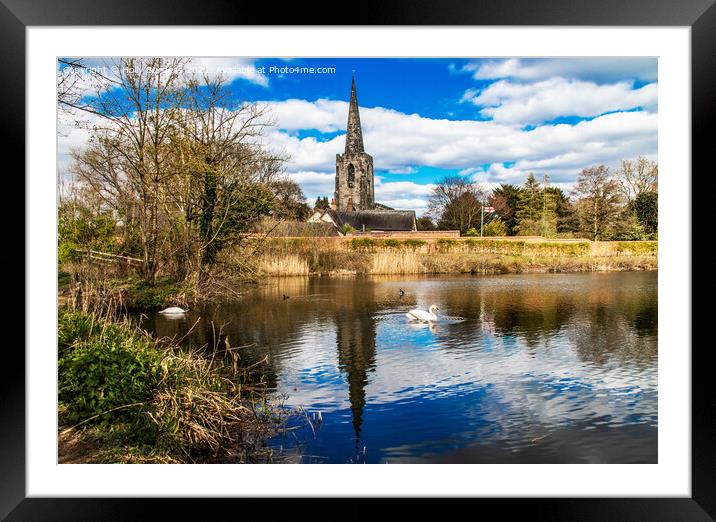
(547, 368)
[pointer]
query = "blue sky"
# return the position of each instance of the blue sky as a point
(494, 119)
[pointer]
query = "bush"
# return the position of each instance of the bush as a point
(445, 245)
(414, 244)
(67, 251)
(495, 228)
(362, 243)
(391, 243)
(347, 229)
(144, 400)
(637, 248)
(103, 367)
(472, 232)
(145, 297)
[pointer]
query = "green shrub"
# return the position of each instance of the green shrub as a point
(445, 244)
(104, 368)
(414, 243)
(362, 243)
(73, 327)
(472, 232)
(637, 247)
(495, 228)
(347, 229)
(391, 243)
(67, 251)
(145, 297)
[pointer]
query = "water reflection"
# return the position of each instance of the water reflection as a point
(542, 368)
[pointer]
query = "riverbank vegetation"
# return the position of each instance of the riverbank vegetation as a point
(124, 396)
(363, 256)
(175, 171)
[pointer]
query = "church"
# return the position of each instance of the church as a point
(354, 202)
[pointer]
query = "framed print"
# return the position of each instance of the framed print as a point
(420, 236)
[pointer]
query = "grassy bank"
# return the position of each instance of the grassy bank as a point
(124, 396)
(336, 256)
(97, 288)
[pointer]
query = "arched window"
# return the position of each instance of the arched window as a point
(351, 174)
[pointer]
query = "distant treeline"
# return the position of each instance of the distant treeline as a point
(602, 205)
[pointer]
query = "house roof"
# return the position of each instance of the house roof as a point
(375, 219)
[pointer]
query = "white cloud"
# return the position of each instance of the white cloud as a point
(508, 102)
(596, 69)
(399, 141)
(315, 183)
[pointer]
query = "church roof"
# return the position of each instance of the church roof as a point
(387, 220)
(354, 134)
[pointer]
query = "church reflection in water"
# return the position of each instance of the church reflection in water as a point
(356, 345)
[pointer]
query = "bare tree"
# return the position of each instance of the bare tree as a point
(132, 142)
(456, 203)
(179, 162)
(599, 201)
(637, 176)
(226, 163)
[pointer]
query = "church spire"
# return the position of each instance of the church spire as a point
(354, 134)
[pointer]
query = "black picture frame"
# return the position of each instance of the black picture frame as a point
(699, 15)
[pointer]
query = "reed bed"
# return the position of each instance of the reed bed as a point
(399, 262)
(286, 265)
(364, 255)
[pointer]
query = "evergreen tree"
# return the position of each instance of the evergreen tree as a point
(505, 199)
(536, 214)
(567, 220)
(646, 208)
(628, 228)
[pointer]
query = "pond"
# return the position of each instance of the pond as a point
(538, 368)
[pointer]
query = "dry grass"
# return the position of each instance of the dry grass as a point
(368, 255)
(398, 262)
(287, 265)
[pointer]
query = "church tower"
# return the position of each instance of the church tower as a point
(354, 168)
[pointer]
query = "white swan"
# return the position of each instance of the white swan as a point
(173, 310)
(422, 315)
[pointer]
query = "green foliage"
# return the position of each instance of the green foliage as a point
(496, 227)
(67, 251)
(143, 296)
(446, 245)
(322, 202)
(414, 243)
(638, 247)
(425, 223)
(560, 249)
(148, 400)
(83, 227)
(472, 232)
(536, 212)
(391, 243)
(506, 200)
(63, 279)
(567, 219)
(228, 210)
(629, 228)
(362, 243)
(103, 368)
(514, 248)
(646, 209)
(347, 229)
